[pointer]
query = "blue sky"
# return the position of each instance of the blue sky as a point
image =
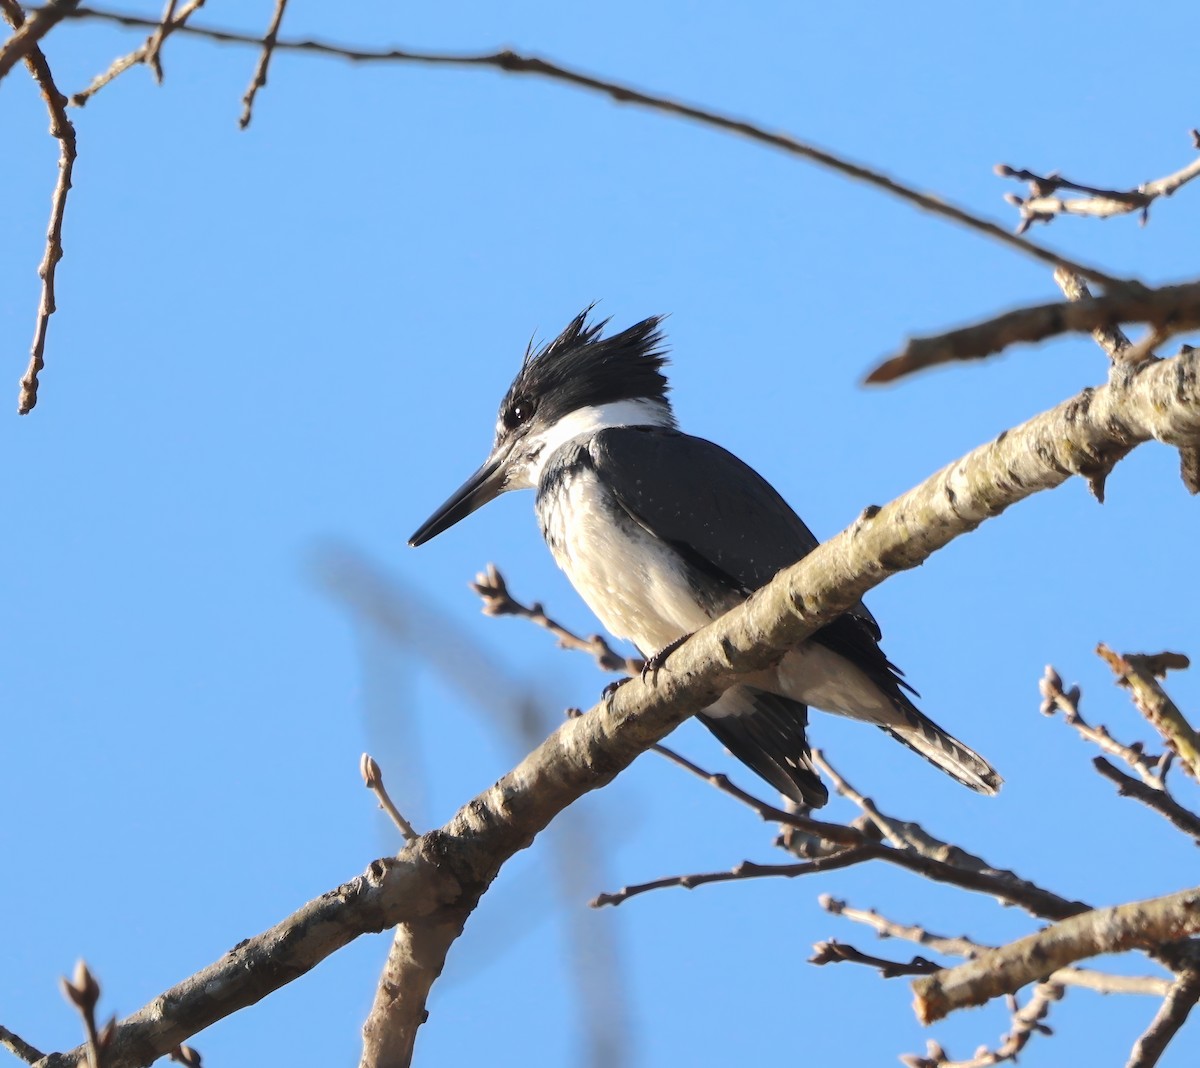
(278, 350)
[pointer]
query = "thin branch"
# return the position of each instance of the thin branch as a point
(512, 63)
(1026, 1021)
(147, 52)
(1007, 969)
(1137, 672)
(971, 872)
(747, 869)
(83, 992)
(1084, 978)
(1055, 698)
(1110, 338)
(31, 29)
(64, 132)
(153, 61)
(497, 601)
(830, 832)
(1168, 309)
(1158, 799)
(18, 1047)
(264, 61)
(373, 780)
(1171, 1016)
(834, 952)
(1044, 204)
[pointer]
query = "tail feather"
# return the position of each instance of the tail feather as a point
(767, 733)
(944, 751)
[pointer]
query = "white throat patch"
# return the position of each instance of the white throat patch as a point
(588, 421)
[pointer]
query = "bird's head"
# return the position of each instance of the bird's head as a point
(577, 384)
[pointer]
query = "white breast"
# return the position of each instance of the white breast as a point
(635, 584)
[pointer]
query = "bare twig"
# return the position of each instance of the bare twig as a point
(30, 30)
(264, 60)
(1137, 672)
(968, 870)
(1007, 969)
(1055, 698)
(373, 779)
(147, 52)
(512, 63)
(153, 61)
(1169, 309)
(1171, 1016)
(747, 869)
(1044, 204)
(834, 952)
(830, 832)
(60, 128)
(1084, 978)
(1026, 1021)
(497, 601)
(82, 991)
(18, 1047)
(1158, 799)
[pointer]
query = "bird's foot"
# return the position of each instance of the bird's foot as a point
(613, 687)
(653, 663)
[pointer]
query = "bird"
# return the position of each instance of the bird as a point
(661, 532)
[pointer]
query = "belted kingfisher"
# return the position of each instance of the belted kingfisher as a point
(661, 532)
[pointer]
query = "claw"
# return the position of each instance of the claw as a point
(653, 663)
(613, 687)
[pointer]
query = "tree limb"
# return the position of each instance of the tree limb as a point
(1171, 309)
(1007, 969)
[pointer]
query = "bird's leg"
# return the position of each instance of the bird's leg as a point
(650, 666)
(653, 663)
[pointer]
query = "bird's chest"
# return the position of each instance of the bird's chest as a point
(637, 585)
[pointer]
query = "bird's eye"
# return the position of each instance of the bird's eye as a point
(518, 412)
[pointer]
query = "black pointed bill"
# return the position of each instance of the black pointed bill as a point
(485, 485)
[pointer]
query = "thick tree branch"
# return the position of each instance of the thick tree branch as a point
(389, 892)
(415, 960)
(445, 871)
(1168, 309)
(1007, 969)
(512, 63)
